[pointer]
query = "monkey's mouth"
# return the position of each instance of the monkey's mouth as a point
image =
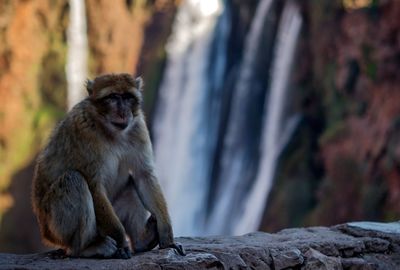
(120, 125)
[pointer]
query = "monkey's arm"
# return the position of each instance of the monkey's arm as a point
(153, 200)
(107, 221)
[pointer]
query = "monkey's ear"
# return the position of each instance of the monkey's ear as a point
(89, 86)
(139, 83)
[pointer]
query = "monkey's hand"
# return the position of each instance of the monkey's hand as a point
(123, 253)
(166, 240)
(178, 248)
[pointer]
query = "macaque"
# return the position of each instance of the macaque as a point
(95, 190)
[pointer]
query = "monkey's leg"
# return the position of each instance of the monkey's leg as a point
(108, 222)
(141, 229)
(71, 218)
(150, 194)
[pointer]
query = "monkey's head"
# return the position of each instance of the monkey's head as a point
(117, 98)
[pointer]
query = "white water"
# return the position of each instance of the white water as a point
(180, 125)
(233, 158)
(288, 33)
(251, 47)
(76, 67)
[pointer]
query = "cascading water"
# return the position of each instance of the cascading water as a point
(236, 154)
(208, 168)
(183, 137)
(288, 33)
(76, 67)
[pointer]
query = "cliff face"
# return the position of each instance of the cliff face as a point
(32, 82)
(115, 31)
(360, 142)
(345, 156)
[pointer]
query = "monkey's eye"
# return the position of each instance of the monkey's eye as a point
(131, 98)
(128, 96)
(111, 97)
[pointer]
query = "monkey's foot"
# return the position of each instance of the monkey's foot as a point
(102, 249)
(57, 254)
(178, 249)
(123, 253)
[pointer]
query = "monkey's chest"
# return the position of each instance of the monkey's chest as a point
(119, 167)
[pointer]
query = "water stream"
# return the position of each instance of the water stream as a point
(76, 66)
(289, 30)
(183, 135)
(236, 156)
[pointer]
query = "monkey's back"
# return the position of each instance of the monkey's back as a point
(70, 147)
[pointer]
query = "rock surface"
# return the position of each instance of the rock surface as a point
(357, 245)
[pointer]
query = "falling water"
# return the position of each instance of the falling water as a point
(76, 67)
(181, 132)
(235, 154)
(288, 33)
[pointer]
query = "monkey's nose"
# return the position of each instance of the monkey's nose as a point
(120, 125)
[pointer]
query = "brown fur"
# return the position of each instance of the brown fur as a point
(95, 182)
(120, 82)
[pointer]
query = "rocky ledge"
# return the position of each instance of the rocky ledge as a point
(358, 245)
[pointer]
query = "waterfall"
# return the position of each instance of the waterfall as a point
(182, 134)
(76, 67)
(235, 154)
(288, 33)
(196, 154)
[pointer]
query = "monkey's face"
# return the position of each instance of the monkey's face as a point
(117, 99)
(118, 109)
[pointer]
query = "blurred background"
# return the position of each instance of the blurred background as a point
(264, 114)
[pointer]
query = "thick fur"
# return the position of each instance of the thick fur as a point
(95, 184)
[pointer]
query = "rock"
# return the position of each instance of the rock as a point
(347, 246)
(285, 258)
(317, 260)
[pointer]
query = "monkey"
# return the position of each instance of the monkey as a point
(95, 191)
